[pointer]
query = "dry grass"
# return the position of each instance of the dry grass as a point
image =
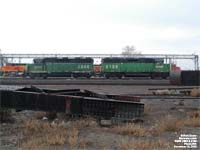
(39, 135)
(73, 137)
(167, 124)
(37, 127)
(33, 143)
(195, 92)
(192, 122)
(84, 142)
(31, 126)
(55, 140)
(174, 124)
(40, 114)
(195, 114)
(130, 129)
(49, 115)
(56, 137)
(194, 119)
(34, 126)
(84, 122)
(144, 145)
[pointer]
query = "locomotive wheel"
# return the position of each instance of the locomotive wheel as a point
(75, 76)
(107, 76)
(32, 76)
(44, 76)
(152, 77)
(88, 76)
(120, 76)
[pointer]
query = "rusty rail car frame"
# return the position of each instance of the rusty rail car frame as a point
(74, 102)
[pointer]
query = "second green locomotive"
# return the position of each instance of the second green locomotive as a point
(135, 67)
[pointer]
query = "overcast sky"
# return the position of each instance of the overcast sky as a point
(99, 26)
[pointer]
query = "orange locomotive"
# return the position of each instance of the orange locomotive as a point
(13, 69)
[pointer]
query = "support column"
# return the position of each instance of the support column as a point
(196, 62)
(1, 59)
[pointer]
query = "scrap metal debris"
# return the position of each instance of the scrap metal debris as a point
(73, 101)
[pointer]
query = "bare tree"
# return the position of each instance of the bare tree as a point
(129, 50)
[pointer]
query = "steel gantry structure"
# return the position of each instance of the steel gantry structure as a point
(169, 58)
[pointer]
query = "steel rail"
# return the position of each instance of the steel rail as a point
(82, 82)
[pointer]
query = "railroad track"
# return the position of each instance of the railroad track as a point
(165, 97)
(64, 81)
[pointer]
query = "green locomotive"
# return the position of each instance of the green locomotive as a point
(134, 67)
(61, 67)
